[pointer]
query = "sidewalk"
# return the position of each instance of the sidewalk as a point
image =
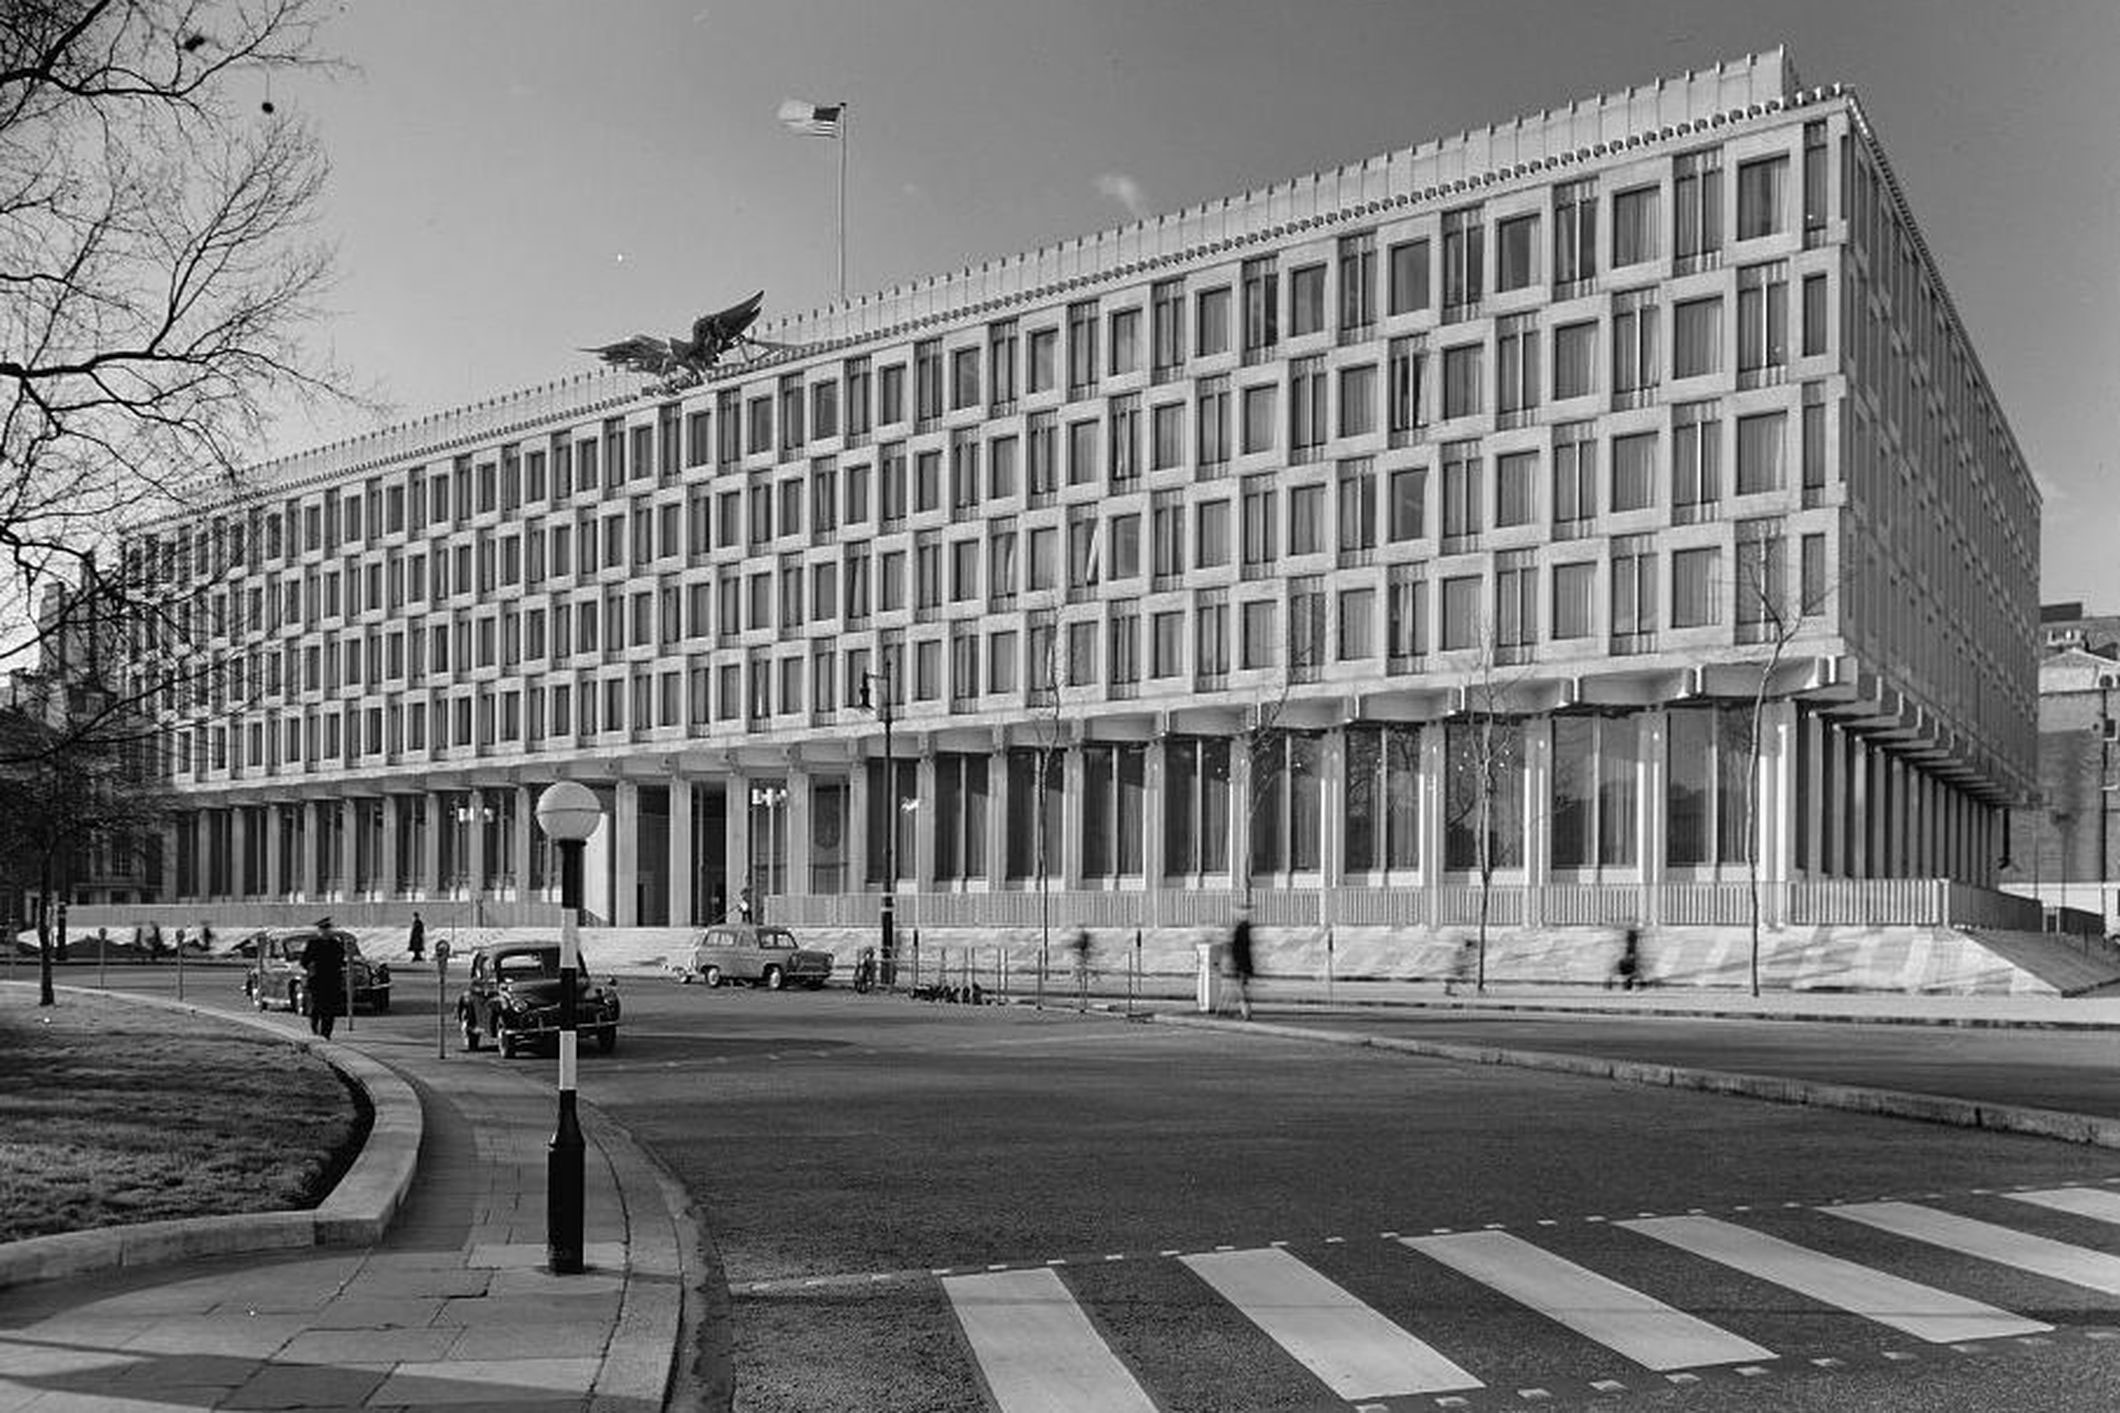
(451, 1310)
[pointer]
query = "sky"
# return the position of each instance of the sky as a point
(515, 179)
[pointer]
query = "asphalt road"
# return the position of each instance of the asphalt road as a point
(863, 1163)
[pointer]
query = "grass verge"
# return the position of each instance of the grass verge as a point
(113, 1113)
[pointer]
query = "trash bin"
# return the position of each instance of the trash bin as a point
(1212, 960)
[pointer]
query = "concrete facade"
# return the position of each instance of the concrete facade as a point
(1211, 552)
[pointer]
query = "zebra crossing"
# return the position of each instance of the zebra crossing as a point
(1040, 1344)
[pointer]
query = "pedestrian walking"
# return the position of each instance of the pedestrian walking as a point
(324, 978)
(1462, 965)
(417, 943)
(1078, 946)
(1240, 961)
(1626, 968)
(155, 945)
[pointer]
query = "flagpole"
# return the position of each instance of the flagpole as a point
(844, 129)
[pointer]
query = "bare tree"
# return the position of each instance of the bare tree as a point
(1480, 763)
(157, 266)
(66, 792)
(1771, 613)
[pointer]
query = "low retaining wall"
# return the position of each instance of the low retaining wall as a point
(358, 1210)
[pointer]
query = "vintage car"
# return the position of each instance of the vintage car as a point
(274, 976)
(512, 999)
(761, 954)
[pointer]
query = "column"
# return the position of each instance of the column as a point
(736, 838)
(1430, 802)
(858, 869)
(239, 879)
(387, 866)
(349, 818)
(311, 874)
(1071, 772)
(1152, 831)
(680, 869)
(1810, 791)
(202, 854)
(1858, 817)
(625, 844)
(1538, 837)
(795, 831)
(526, 839)
(997, 814)
(1779, 793)
(925, 792)
(1649, 778)
(275, 864)
(430, 882)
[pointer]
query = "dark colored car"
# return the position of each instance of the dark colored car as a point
(274, 976)
(512, 999)
(765, 955)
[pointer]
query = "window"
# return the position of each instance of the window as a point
(1575, 359)
(927, 380)
(1001, 468)
(1763, 317)
(1124, 425)
(1081, 453)
(1125, 341)
(1044, 455)
(1258, 525)
(1814, 442)
(1166, 644)
(964, 378)
(1358, 505)
(1125, 546)
(1463, 260)
(1812, 586)
(1762, 197)
(1696, 337)
(1258, 646)
(1574, 478)
(1211, 322)
(1408, 412)
(890, 394)
(1211, 423)
(1357, 625)
(1306, 300)
(1574, 589)
(1358, 284)
(1634, 226)
(1358, 398)
(1761, 452)
(1635, 367)
(1696, 461)
(1306, 407)
(1694, 602)
(1633, 589)
(1001, 366)
(1406, 616)
(1261, 307)
(1763, 609)
(1515, 488)
(1196, 819)
(1461, 381)
(1461, 612)
(1259, 418)
(1211, 534)
(1166, 435)
(1814, 182)
(1409, 503)
(1306, 531)
(1167, 537)
(1634, 471)
(1166, 327)
(1516, 360)
(1044, 368)
(1409, 276)
(1814, 315)
(1574, 235)
(1515, 599)
(1515, 252)
(1461, 493)
(1696, 192)
(1383, 798)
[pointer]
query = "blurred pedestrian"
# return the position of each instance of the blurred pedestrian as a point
(1240, 961)
(1078, 946)
(324, 978)
(155, 944)
(1462, 965)
(1627, 967)
(417, 943)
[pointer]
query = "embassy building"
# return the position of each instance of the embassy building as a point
(1437, 516)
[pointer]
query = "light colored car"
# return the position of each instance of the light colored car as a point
(762, 954)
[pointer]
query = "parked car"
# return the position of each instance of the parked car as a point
(274, 976)
(765, 955)
(512, 999)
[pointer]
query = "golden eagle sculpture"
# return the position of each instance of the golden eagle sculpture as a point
(682, 362)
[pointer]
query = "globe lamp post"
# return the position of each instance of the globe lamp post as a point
(568, 813)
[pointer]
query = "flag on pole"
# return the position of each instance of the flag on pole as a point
(809, 119)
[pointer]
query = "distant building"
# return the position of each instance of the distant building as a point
(2066, 849)
(1238, 518)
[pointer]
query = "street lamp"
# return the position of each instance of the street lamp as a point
(770, 798)
(568, 813)
(882, 706)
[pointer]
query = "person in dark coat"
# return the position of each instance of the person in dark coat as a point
(1240, 960)
(418, 943)
(324, 978)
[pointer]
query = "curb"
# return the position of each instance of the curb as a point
(1713, 1012)
(2094, 1130)
(357, 1210)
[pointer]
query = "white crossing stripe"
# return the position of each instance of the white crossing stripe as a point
(2077, 1265)
(1354, 1350)
(1619, 1317)
(1036, 1347)
(1918, 1310)
(2093, 1202)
